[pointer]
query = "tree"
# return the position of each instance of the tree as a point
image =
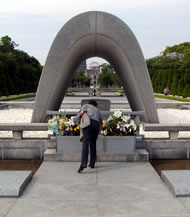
(115, 80)
(108, 77)
(7, 45)
(3, 81)
(80, 80)
(105, 80)
(106, 68)
(172, 69)
(20, 73)
(186, 90)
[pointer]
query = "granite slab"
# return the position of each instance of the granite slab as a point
(12, 183)
(178, 181)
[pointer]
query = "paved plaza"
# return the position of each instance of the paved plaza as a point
(109, 190)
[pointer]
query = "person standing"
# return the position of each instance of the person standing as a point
(90, 134)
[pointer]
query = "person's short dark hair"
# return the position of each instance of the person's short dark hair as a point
(93, 102)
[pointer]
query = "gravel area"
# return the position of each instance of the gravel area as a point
(165, 116)
(170, 116)
(19, 116)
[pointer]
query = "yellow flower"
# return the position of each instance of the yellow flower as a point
(78, 128)
(75, 129)
(71, 129)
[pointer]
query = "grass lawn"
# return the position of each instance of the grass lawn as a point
(172, 98)
(22, 96)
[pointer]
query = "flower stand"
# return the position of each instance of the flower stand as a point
(105, 144)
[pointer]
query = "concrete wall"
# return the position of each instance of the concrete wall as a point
(25, 149)
(164, 149)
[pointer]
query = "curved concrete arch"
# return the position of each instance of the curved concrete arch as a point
(95, 34)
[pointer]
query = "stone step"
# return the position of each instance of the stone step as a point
(12, 183)
(178, 181)
(140, 155)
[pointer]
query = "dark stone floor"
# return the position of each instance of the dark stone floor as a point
(32, 165)
(170, 165)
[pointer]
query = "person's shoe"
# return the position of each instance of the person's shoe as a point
(91, 166)
(81, 169)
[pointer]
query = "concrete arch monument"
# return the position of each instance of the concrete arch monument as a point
(87, 35)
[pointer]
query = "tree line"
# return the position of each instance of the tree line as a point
(19, 72)
(171, 70)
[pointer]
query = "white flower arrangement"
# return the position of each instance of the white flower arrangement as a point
(119, 125)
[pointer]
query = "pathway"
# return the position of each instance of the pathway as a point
(110, 190)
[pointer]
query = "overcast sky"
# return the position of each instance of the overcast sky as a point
(34, 24)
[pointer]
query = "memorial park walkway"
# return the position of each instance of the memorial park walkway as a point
(110, 190)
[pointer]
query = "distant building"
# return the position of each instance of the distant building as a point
(93, 72)
(82, 66)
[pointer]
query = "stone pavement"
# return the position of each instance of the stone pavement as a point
(110, 190)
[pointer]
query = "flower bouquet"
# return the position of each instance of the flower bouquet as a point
(62, 126)
(119, 125)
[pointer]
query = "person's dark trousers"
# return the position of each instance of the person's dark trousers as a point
(90, 135)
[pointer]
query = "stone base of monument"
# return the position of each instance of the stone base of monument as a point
(12, 183)
(140, 155)
(109, 148)
(104, 144)
(178, 181)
